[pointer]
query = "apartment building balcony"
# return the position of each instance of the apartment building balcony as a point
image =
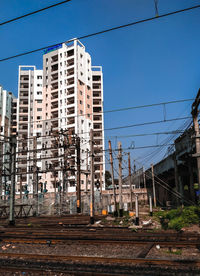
(54, 58)
(70, 62)
(70, 111)
(23, 86)
(54, 86)
(54, 124)
(24, 78)
(54, 114)
(23, 111)
(23, 102)
(96, 102)
(97, 126)
(23, 94)
(96, 78)
(97, 118)
(96, 94)
(70, 91)
(54, 105)
(54, 95)
(96, 86)
(70, 81)
(70, 101)
(71, 121)
(97, 109)
(54, 68)
(54, 77)
(70, 53)
(70, 72)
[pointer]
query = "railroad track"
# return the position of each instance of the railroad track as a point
(97, 265)
(87, 234)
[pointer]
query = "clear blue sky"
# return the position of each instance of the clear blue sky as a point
(147, 63)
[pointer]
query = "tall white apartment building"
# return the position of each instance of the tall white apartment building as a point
(68, 103)
(29, 114)
(6, 122)
(98, 124)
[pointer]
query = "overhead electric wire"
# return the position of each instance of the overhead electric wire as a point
(34, 12)
(104, 31)
(148, 123)
(114, 110)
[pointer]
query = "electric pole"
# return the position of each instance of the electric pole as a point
(144, 177)
(130, 184)
(120, 179)
(153, 184)
(91, 178)
(12, 188)
(78, 176)
(112, 176)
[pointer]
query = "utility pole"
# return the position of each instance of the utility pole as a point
(20, 187)
(12, 188)
(78, 176)
(130, 184)
(112, 176)
(195, 113)
(120, 179)
(153, 184)
(87, 170)
(101, 199)
(144, 177)
(91, 178)
(136, 210)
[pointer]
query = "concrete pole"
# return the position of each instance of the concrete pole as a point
(130, 184)
(12, 190)
(136, 210)
(150, 206)
(78, 176)
(153, 184)
(101, 203)
(144, 177)
(112, 176)
(91, 178)
(120, 179)
(21, 187)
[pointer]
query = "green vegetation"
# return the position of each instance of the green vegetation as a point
(174, 251)
(179, 218)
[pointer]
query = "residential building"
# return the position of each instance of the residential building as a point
(68, 104)
(6, 101)
(29, 114)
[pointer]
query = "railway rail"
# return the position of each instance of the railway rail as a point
(99, 265)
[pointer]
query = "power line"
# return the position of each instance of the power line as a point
(104, 31)
(34, 12)
(148, 123)
(114, 110)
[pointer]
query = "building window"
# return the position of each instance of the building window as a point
(81, 93)
(88, 106)
(39, 77)
(88, 96)
(81, 111)
(81, 102)
(39, 109)
(39, 101)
